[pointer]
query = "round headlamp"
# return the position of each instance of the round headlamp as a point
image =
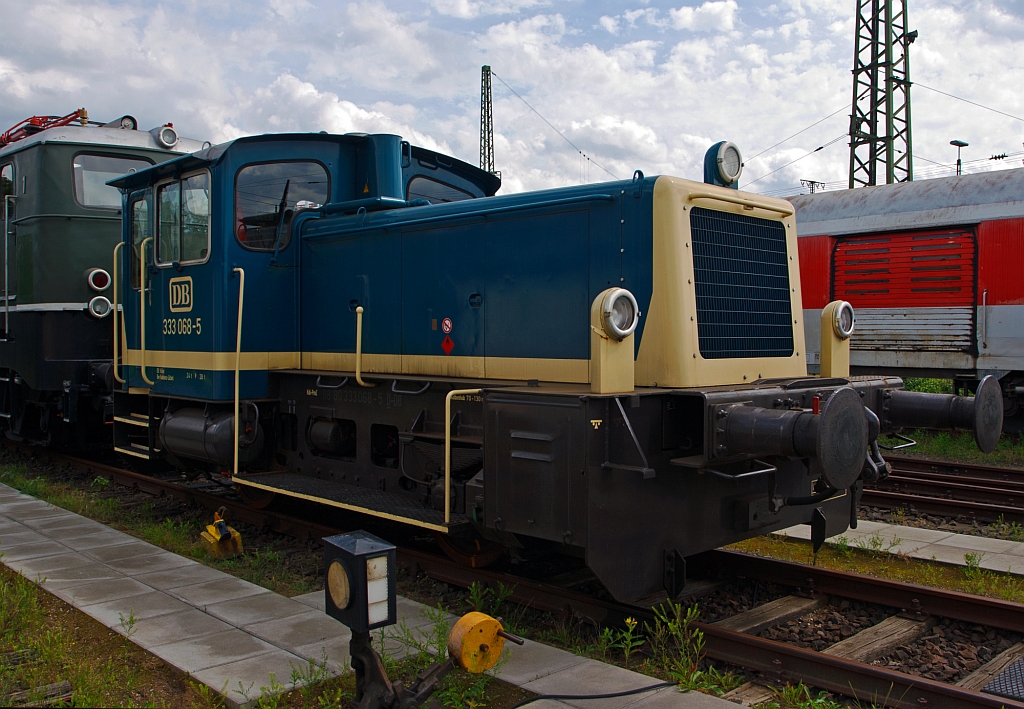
(100, 307)
(339, 585)
(99, 280)
(844, 321)
(729, 162)
(619, 313)
(165, 135)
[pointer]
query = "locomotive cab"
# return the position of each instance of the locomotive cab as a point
(615, 371)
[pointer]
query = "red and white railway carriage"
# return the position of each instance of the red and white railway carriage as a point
(935, 273)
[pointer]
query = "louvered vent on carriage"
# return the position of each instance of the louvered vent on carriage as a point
(741, 278)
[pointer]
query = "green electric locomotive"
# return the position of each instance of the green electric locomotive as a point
(60, 222)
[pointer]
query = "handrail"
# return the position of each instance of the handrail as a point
(359, 349)
(448, 449)
(238, 356)
(7, 265)
(143, 267)
(117, 349)
(743, 202)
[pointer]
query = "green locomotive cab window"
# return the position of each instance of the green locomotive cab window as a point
(183, 220)
(6, 180)
(434, 192)
(269, 195)
(92, 172)
(6, 188)
(140, 230)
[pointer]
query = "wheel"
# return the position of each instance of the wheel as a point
(255, 497)
(469, 549)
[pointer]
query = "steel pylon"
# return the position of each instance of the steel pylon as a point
(880, 136)
(486, 122)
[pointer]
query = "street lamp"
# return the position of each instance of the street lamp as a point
(958, 144)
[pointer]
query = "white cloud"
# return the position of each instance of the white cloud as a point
(468, 9)
(712, 15)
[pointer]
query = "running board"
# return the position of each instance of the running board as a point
(399, 508)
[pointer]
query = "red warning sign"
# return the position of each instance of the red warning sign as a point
(447, 345)
(446, 325)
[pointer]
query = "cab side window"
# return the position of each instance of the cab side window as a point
(6, 188)
(183, 220)
(269, 195)
(140, 230)
(434, 191)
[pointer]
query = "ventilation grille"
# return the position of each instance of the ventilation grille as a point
(741, 277)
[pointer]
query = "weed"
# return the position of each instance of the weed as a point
(208, 698)
(99, 482)
(306, 677)
(478, 595)
(628, 640)
(605, 641)
(899, 516)
(841, 544)
(128, 624)
(799, 696)
(931, 386)
(972, 565)
(876, 543)
(456, 696)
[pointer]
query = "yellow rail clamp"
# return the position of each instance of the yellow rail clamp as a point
(476, 642)
(220, 540)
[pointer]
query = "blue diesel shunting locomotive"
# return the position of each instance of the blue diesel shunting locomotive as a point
(616, 370)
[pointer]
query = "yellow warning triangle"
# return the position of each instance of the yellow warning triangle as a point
(366, 188)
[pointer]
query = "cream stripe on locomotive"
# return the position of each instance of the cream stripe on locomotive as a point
(575, 371)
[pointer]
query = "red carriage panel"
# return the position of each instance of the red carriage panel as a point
(906, 270)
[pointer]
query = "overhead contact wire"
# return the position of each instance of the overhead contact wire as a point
(818, 149)
(575, 147)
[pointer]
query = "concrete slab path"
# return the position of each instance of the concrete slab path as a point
(928, 544)
(232, 635)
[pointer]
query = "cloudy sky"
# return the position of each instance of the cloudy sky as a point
(635, 85)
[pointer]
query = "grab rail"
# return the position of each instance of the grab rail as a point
(359, 349)
(743, 202)
(448, 448)
(142, 309)
(7, 265)
(117, 349)
(238, 356)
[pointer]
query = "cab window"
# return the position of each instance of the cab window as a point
(91, 175)
(183, 220)
(269, 195)
(6, 188)
(434, 192)
(140, 230)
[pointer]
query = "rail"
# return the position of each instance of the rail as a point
(116, 287)
(448, 448)
(143, 268)
(238, 357)
(743, 202)
(359, 350)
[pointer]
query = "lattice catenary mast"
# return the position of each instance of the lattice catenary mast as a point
(880, 122)
(486, 122)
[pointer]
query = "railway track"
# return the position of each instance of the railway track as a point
(979, 492)
(734, 641)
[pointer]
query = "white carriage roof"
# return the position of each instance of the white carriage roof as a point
(941, 202)
(101, 136)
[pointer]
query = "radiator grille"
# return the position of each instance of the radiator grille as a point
(741, 277)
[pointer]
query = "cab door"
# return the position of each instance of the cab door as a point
(180, 291)
(8, 211)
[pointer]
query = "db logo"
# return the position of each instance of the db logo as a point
(181, 294)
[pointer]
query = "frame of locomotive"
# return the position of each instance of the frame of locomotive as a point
(437, 355)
